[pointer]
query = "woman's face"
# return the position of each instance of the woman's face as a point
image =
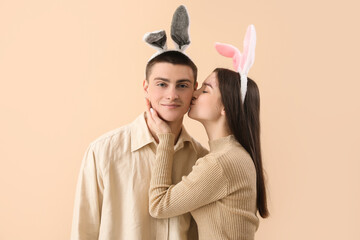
(206, 105)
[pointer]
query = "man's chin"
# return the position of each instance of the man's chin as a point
(171, 117)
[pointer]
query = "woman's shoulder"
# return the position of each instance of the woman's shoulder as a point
(235, 154)
(235, 157)
(238, 167)
(234, 164)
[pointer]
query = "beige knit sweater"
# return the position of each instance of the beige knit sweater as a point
(220, 191)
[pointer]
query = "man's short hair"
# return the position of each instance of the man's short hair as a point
(173, 57)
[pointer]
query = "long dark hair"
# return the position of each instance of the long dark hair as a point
(244, 123)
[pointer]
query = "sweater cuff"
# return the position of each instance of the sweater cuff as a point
(166, 139)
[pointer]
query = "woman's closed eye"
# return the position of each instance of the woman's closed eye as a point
(204, 89)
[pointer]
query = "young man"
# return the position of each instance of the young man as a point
(112, 192)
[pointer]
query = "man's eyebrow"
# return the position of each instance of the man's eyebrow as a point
(207, 84)
(167, 80)
(162, 79)
(183, 80)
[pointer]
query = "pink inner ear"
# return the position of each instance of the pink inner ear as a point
(230, 51)
(225, 49)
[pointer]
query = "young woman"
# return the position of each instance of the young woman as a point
(226, 188)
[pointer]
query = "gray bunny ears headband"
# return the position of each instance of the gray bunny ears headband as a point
(242, 61)
(179, 34)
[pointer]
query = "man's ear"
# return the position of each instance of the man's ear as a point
(146, 86)
(196, 85)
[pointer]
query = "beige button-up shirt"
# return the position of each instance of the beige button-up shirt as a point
(112, 200)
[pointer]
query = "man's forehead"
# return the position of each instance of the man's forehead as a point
(171, 72)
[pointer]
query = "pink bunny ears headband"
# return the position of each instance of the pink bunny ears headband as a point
(179, 34)
(242, 62)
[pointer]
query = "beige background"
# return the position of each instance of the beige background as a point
(72, 70)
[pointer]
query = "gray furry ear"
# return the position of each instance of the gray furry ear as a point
(180, 28)
(156, 39)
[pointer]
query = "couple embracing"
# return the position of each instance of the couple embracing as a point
(151, 180)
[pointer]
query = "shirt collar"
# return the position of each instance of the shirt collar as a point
(184, 137)
(141, 136)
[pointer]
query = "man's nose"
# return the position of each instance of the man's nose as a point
(172, 93)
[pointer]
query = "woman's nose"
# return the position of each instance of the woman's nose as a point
(196, 94)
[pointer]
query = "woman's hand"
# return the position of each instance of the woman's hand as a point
(154, 122)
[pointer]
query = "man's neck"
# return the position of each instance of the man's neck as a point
(175, 126)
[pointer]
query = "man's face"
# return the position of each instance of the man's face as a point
(170, 88)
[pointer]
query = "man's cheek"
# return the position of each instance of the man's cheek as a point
(151, 105)
(188, 99)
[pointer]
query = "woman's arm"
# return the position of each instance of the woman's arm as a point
(205, 184)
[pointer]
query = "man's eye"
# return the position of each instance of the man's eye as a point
(204, 91)
(183, 86)
(161, 84)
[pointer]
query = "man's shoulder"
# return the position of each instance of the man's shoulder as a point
(121, 137)
(113, 137)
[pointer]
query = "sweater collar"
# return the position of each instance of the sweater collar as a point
(220, 144)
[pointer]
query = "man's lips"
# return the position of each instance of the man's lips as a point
(171, 105)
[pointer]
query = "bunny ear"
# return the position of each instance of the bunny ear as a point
(248, 56)
(180, 28)
(156, 39)
(230, 51)
(242, 62)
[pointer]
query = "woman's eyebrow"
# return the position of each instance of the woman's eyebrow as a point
(207, 84)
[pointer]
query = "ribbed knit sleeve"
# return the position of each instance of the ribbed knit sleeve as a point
(205, 184)
(161, 174)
